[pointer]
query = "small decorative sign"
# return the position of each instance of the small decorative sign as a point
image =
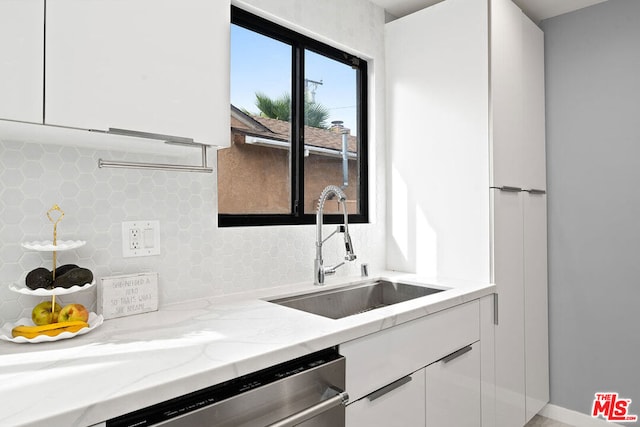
(129, 294)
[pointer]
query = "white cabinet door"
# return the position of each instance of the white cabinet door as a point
(509, 333)
(517, 99)
(536, 303)
(401, 403)
(506, 94)
(156, 66)
(533, 124)
(21, 59)
(453, 389)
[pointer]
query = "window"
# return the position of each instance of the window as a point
(298, 124)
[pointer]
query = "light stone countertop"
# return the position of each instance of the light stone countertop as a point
(136, 361)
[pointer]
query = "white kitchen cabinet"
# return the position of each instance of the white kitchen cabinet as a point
(536, 319)
(533, 122)
(385, 371)
(395, 352)
(453, 389)
(154, 66)
(517, 99)
(465, 86)
(21, 59)
(509, 332)
(401, 403)
(506, 143)
(522, 349)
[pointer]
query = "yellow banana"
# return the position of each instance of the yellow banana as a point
(51, 329)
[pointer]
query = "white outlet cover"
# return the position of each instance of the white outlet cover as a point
(149, 238)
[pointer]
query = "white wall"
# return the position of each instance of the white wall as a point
(593, 170)
(198, 259)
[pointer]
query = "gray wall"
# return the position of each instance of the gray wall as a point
(593, 154)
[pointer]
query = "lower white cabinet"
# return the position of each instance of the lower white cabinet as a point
(453, 389)
(426, 372)
(521, 335)
(536, 323)
(401, 403)
(509, 275)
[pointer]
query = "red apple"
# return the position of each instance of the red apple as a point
(42, 315)
(73, 312)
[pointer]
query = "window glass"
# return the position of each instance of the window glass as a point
(254, 174)
(331, 133)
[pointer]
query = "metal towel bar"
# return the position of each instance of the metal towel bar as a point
(159, 166)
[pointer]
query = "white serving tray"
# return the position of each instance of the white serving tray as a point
(21, 288)
(48, 246)
(95, 320)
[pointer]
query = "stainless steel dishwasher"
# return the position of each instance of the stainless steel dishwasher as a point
(308, 391)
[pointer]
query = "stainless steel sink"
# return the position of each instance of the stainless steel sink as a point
(350, 300)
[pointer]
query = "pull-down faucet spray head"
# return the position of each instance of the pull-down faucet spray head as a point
(319, 270)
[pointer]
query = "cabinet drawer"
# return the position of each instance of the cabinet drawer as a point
(379, 359)
(453, 390)
(402, 405)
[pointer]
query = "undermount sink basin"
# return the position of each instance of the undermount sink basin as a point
(350, 300)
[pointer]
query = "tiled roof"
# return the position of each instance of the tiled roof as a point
(279, 130)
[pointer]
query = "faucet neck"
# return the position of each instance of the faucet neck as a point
(319, 269)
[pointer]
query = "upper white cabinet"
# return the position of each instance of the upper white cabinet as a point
(155, 66)
(517, 99)
(507, 145)
(21, 59)
(533, 123)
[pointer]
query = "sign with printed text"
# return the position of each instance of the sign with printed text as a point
(125, 295)
(612, 407)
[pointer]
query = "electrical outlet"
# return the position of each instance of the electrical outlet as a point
(134, 238)
(140, 238)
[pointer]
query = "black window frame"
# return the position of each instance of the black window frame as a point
(300, 43)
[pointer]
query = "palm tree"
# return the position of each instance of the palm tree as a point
(315, 115)
(279, 108)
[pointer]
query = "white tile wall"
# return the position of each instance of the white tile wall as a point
(197, 259)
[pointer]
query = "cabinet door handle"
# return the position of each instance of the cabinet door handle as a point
(456, 354)
(536, 191)
(388, 388)
(509, 189)
(149, 135)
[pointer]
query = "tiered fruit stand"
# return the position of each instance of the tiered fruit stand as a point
(53, 246)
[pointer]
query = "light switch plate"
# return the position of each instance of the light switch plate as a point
(140, 238)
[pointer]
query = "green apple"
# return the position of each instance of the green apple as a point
(42, 314)
(72, 312)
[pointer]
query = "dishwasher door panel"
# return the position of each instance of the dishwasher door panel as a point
(273, 402)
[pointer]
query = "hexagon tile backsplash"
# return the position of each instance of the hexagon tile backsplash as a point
(197, 259)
